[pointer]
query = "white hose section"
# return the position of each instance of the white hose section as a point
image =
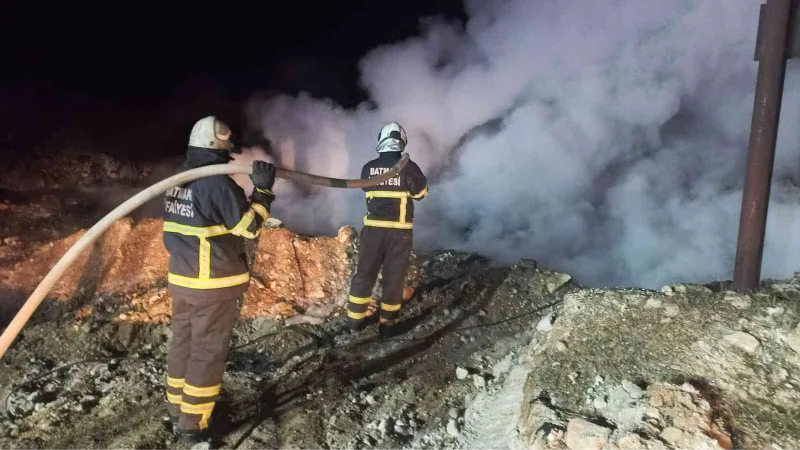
(97, 230)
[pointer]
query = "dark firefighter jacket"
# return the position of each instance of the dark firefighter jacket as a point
(205, 223)
(388, 204)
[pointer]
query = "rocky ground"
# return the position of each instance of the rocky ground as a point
(494, 356)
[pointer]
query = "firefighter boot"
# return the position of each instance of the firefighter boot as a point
(192, 437)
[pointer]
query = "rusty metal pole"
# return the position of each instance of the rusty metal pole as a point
(771, 54)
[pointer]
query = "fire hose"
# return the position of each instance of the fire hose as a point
(44, 287)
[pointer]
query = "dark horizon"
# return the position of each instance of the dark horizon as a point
(131, 81)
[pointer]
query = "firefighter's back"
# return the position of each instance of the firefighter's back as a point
(389, 204)
(205, 257)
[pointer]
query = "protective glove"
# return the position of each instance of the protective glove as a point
(263, 175)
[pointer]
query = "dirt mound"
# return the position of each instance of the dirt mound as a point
(45, 196)
(128, 256)
(73, 168)
(291, 274)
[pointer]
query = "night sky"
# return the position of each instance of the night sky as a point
(130, 79)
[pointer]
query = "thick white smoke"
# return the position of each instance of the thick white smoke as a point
(606, 139)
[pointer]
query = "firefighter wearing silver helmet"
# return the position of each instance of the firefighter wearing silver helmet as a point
(205, 224)
(387, 236)
(392, 138)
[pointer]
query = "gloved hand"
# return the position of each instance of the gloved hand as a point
(263, 175)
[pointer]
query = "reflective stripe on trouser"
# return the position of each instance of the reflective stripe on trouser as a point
(201, 335)
(358, 308)
(387, 248)
(175, 394)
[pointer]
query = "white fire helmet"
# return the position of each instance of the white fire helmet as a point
(392, 138)
(209, 132)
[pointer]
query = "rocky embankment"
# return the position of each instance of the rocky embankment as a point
(494, 357)
(683, 368)
(515, 357)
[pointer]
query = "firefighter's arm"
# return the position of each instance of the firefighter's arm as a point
(418, 182)
(242, 217)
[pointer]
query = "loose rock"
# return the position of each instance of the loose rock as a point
(672, 435)
(452, 428)
(742, 340)
(557, 281)
(633, 390)
(461, 373)
(653, 303)
(545, 324)
(304, 319)
(737, 300)
(794, 339)
(584, 435)
(671, 310)
(272, 222)
(776, 311)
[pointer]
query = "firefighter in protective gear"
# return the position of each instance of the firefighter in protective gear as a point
(386, 238)
(205, 224)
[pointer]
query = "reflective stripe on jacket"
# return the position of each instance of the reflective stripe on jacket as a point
(388, 204)
(205, 224)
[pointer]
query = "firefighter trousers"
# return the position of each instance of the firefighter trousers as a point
(198, 352)
(380, 247)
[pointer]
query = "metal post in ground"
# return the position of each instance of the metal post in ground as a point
(771, 52)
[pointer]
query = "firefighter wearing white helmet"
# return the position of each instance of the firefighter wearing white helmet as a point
(209, 132)
(205, 224)
(387, 236)
(392, 138)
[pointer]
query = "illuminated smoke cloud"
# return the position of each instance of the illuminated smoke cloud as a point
(605, 139)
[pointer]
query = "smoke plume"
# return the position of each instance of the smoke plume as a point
(606, 139)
